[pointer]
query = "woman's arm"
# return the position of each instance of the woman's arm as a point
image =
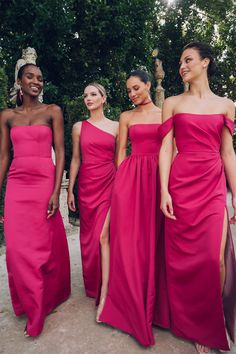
(123, 138)
(165, 159)
(58, 139)
(75, 164)
(4, 149)
(117, 143)
(229, 158)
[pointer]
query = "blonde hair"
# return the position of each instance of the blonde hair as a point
(100, 88)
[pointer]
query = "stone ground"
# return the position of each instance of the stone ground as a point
(71, 328)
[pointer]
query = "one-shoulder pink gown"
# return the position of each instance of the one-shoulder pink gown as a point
(95, 182)
(197, 185)
(134, 229)
(36, 247)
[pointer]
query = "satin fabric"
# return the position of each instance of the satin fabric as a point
(198, 189)
(134, 226)
(95, 182)
(36, 248)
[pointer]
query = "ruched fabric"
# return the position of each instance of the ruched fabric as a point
(95, 182)
(198, 189)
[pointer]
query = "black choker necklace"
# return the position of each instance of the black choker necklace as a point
(143, 104)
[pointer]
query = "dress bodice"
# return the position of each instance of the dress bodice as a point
(144, 138)
(31, 140)
(198, 132)
(96, 145)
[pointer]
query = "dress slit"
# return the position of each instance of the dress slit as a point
(229, 290)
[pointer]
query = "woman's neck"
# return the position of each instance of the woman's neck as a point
(30, 103)
(97, 115)
(200, 88)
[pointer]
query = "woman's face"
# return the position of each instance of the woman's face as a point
(93, 98)
(138, 91)
(32, 81)
(192, 65)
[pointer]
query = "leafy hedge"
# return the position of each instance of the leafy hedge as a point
(3, 104)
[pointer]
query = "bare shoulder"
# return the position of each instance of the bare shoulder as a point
(77, 128)
(125, 117)
(174, 99)
(115, 127)
(6, 114)
(169, 106)
(54, 109)
(228, 106)
(114, 123)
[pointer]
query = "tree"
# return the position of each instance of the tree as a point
(3, 104)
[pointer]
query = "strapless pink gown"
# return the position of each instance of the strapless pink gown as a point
(95, 182)
(36, 248)
(198, 189)
(134, 230)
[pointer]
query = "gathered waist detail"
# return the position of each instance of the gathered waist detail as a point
(210, 152)
(144, 154)
(32, 156)
(93, 161)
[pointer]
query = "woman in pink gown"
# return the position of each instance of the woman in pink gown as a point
(201, 273)
(135, 217)
(36, 246)
(94, 143)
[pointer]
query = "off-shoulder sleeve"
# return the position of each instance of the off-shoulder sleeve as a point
(166, 127)
(229, 124)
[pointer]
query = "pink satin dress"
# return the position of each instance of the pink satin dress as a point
(36, 247)
(95, 182)
(199, 311)
(135, 227)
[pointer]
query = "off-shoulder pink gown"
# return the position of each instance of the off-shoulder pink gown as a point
(134, 229)
(36, 247)
(95, 182)
(197, 185)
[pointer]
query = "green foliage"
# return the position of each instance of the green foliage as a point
(3, 89)
(3, 104)
(79, 41)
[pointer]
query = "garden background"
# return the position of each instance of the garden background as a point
(79, 41)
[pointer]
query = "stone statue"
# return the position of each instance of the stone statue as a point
(159, 75)
(29, 56)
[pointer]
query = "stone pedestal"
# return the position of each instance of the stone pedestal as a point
(159, 76)
(63, 199)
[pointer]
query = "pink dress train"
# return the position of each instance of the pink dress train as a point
(36, 248)
(197, 185)
(135, 218)
(95, 182)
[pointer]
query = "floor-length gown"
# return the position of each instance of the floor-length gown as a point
(135, 215)
(199, 311)
(36, 247)
(95, 182)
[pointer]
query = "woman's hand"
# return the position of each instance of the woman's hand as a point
(71, 201)
(166, 206)
(53, 205)
(1, 219)
(233, 219)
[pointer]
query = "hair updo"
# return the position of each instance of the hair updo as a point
(144, 76)
(204, 51)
